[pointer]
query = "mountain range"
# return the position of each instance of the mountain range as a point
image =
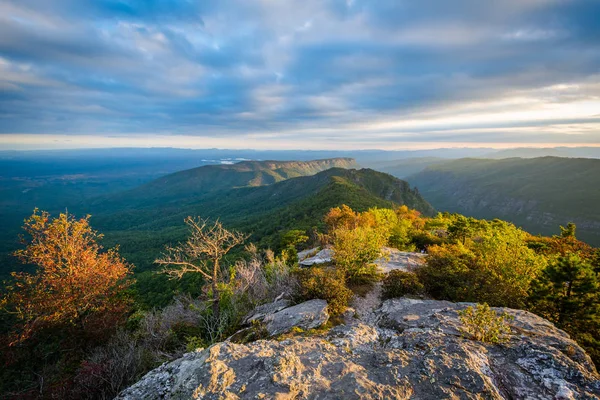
(263, 198)
(538, 194)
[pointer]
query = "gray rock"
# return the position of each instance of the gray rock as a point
(322, 257)
(304, 254)
(395, 259)
(414, 350)
(260, 312)
(308, 315)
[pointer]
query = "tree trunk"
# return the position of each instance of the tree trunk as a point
(215, 289)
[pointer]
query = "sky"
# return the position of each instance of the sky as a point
(310, 74)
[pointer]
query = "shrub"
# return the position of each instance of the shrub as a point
(497, 268)
(329, 285)
(400, 283)
(355, 251)
(483, 324)
(423, 240)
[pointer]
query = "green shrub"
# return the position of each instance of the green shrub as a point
(329, 285)
(355, 251)
(400, 283)
(423, 240)
(483, 324)
(496, 269)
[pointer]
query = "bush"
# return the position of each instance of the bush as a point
(483, 324)
(496, 269)
(355, 251)
(400, 283)
(329, 285)
(450, 273)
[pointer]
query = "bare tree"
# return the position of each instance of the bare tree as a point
(202, 253)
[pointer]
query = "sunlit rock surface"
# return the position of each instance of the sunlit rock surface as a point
(413, 349)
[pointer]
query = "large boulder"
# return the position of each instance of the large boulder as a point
(415, 350)
(390, 259)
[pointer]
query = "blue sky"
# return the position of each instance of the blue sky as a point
(299, 74)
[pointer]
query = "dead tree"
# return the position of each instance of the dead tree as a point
(202, 253)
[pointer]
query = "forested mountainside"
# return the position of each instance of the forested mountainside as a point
(408, 166)
(187, 185)
(537, 194)
(265, 211)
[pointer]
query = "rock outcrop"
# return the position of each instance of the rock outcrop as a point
(260, 312)
(390, 259)
(395, 259)
(413, 349)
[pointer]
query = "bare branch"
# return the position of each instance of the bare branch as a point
(207, 243)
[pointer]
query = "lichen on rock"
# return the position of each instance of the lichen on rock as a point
(411, 349)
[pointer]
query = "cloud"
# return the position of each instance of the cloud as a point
(314, 69)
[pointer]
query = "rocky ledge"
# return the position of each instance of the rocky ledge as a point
(414, 349)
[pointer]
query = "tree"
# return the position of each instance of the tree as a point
(569, 231)
(355, 251)
(567, 292)
(290, 242)
(461, 228)
(202, 253)
(75, 283)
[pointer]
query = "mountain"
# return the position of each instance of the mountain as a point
(538, 194)
(528, 152)
(409, 166)
(184, 186)
(266, 211)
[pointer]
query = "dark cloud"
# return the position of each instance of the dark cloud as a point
(229, 68)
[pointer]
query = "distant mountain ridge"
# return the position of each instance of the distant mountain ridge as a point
(185, 186)
(538, 194)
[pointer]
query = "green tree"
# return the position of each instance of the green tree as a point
(461, 228)
(567, 292)
(293, 238)
(497, 268)
(290, 242)
(569, 231)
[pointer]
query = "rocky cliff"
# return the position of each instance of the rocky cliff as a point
(405, 349)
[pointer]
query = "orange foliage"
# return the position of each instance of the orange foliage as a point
(75, 283)
(403, 212)
(345, 217)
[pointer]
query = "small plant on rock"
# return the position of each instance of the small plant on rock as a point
(484, 324)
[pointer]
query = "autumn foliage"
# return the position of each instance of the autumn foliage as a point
(75, 285)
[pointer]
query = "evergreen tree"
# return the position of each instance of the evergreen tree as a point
(568, 294)
(569, 231)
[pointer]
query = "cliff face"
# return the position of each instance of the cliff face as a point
(408, 349)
